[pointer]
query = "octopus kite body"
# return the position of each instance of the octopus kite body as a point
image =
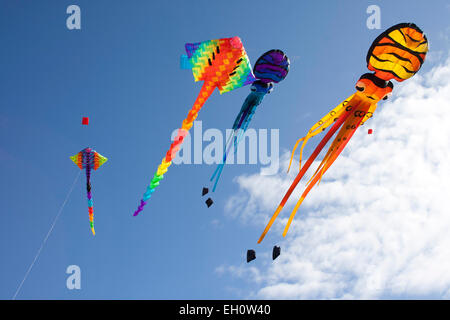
(272, 67)
(398, 53)
(222, 64)
(89, 160)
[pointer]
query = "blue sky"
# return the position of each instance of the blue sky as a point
(122, 70)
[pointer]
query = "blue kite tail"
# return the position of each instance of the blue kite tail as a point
(237, 123)
(244, 126)
(220, 166)
(240, 125)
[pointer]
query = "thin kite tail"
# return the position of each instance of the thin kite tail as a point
(240, 119)
(337, 124)
(241, 115)
(320, 126)
(239, 126)
(205, 92)
(90, 202)
(224, 156)
(217, 173)
(239, 130)
(336, 148)
(244, 127)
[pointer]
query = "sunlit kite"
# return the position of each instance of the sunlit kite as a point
(221, 63)
(398, 53)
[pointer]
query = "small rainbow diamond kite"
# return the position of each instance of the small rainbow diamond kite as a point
(89, 159)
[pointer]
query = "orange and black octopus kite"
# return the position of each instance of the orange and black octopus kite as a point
(398, 53)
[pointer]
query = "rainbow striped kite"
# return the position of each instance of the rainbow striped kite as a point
(221, 63)
(89, 159)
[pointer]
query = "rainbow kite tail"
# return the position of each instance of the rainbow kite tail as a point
(207, 89)
(90, 202)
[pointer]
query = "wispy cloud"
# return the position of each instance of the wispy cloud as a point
(377, 226)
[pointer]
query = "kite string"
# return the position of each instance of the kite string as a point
(47, 236)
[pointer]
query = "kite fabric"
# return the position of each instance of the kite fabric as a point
(398, 53)
(272, 67)
(221, 63)
(89, 159)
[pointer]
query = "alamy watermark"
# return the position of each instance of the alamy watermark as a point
(255, 147)
(74, 20)
(374, 20)
(74, 280)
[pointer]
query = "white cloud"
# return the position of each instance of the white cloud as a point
(378, 226)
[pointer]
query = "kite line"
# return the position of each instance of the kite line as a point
(47, 236)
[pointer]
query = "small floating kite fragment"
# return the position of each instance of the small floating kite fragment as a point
(209, 202)
(89, 159)
(251, 255)
(276, 252)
